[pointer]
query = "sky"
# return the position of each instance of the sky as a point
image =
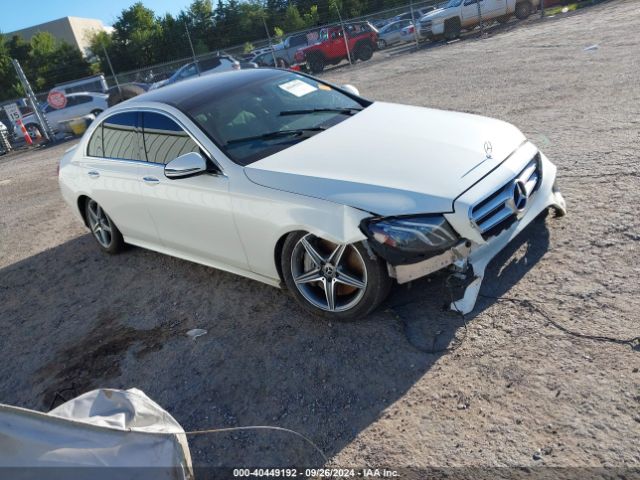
(40, 11)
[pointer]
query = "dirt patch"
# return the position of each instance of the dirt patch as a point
(97, 355)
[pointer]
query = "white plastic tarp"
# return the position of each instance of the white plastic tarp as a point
(125, 430)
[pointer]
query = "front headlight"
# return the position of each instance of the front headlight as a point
(409, 239)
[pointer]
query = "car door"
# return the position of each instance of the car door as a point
(493, 8)
(394, 32)
(193, 215)
(337, 47)
(470, 11)
(110, 172)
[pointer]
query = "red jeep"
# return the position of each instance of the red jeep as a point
(331, 47)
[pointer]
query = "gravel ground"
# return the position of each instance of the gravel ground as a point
(517, 391)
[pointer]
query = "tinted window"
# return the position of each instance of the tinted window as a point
(82, 99)
(119, 136)
(298, 40)
(164, 139)
(94, 149)
(71, 102)
(209, 63)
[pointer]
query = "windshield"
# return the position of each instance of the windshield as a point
(272, 114)
(453, 3)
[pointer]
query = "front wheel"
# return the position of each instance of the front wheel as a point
(316, 64)
(103, 229)
(334, 281)
(452, 29)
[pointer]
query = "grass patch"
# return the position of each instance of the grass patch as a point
(570, 7)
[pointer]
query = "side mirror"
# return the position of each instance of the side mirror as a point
(185, 166)
(351, 89)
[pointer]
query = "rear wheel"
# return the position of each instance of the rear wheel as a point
(316, 63)
(102, 228)
(523, 10)
(334, 281)
(452, 29)
(364, 51)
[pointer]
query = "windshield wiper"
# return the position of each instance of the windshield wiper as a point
(276, 134)
(344, 111)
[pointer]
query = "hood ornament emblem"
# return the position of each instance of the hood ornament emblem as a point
(488, 149)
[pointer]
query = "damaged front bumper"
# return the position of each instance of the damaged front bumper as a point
(482, 240)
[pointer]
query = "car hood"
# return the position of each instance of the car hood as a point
(432, 15)
(391, 159)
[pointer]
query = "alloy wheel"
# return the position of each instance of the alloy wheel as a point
(330, 276)
(100, 224)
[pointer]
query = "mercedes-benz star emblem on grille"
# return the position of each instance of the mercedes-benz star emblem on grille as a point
(488, 149)
(520, 196)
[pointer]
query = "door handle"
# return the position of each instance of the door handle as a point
(93, 174)
(150, 180)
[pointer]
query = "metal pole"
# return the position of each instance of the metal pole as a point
(113, 73)
(480, 18)
(193, 52)
(541, 8)
(415, 26)
(33, 102)
(273, 53)
(344, 35)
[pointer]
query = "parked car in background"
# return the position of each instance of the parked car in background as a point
(417, 13)
(78, 105)
(217, 64)
(378, 22)
(285, 51)
(94, 83)
(391, 33)
(331, 48)
(447, 22)
(407, 33)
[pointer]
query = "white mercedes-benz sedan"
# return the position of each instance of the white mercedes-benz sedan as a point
(298, 183)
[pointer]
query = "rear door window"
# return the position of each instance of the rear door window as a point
(164, 139)
(120, 136)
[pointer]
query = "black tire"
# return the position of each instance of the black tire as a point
(523, 10)
(382, 44)
(316, 63)
(503, 19)
(378, 283)
(452, 29)
(125, 93)
(364, 51)
(116, 242)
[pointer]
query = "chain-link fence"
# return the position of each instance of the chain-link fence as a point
(462, 18)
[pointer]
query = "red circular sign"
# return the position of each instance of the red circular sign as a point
(57, 99)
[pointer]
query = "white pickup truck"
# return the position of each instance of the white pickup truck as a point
(457, 15)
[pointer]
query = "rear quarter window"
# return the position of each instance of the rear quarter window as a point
(120, 136)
